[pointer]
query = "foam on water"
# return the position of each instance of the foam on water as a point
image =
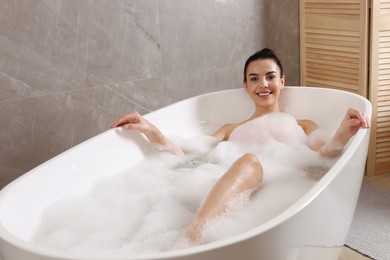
(147, 208)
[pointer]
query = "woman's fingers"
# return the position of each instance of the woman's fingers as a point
(126, 120)
(367, 122)
(361, 118)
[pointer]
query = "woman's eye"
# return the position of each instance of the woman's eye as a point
(253, 79)
(271, 77)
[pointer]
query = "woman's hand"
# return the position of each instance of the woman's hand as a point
(351, 123)
(134, 121)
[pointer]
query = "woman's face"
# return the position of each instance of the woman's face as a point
(264, 83)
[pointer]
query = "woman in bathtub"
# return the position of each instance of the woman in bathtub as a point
(263, 81)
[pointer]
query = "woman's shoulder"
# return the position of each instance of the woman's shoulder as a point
(307, 125)
(224, 132)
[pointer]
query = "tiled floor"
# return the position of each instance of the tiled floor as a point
(382, 181)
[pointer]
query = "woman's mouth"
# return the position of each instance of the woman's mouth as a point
(264, 94)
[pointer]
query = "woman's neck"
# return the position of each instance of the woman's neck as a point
(261, 111)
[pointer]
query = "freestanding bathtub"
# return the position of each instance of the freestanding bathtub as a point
(314, 227)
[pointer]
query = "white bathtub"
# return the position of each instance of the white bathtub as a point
(314, 227)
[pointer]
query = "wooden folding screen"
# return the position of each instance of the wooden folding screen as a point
(334, 44)
(379, 88)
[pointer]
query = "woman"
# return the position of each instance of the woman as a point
(263, 81)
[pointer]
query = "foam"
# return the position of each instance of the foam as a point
(147, 208)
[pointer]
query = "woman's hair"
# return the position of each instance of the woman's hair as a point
(263, 55)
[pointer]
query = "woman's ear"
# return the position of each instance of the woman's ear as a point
(283, 80)
(244, 83)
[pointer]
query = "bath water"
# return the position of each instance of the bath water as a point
(146, 208)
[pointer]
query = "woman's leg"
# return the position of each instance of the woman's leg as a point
(245, 174)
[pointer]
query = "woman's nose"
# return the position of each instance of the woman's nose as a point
(264, 83)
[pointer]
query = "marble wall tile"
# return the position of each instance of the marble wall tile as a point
(93, 110)
(196, 35)
(75, 117)
(36, 129)
(17, 121)
(187, 85)
(51, 132)
(124, 42)
(12, 88)
(60, 45)
(8, 175)
(146, 95)
(282, 30)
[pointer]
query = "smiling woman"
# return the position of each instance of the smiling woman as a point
(263, 81)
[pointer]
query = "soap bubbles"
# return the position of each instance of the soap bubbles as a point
(147, 208)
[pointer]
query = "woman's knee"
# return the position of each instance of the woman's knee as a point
(252, 170)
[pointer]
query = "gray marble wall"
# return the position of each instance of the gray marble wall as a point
(68, 68)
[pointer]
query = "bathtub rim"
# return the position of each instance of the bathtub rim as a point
(289, 212)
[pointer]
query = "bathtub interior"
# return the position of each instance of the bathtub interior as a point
(23, 201)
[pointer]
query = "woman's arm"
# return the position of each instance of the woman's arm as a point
(351, 123)
(333, 147)
(134, 121)
(223, 133)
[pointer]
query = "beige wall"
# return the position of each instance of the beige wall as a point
(68, 68)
